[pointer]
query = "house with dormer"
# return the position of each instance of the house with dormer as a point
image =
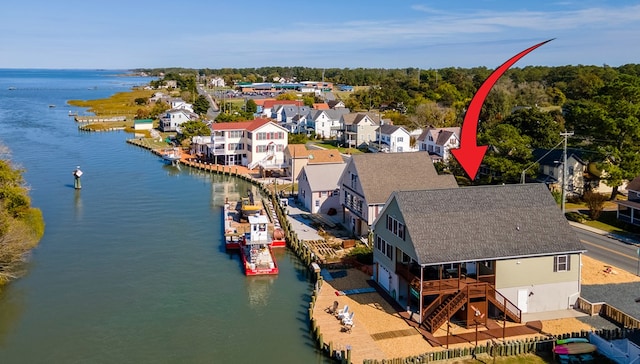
(439, 141)
(370, 178)
(629, 210)
(358, 129)
(468, 253)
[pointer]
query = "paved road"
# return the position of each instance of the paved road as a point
(610, 251)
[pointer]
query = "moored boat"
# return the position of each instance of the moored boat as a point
(171, 155)
(257, 255)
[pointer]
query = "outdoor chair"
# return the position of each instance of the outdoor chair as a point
(348, 320)
(332, 309)
(343, 313)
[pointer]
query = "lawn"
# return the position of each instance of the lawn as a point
(332, 144)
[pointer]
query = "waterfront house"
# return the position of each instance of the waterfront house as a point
(439, 141)
(172, 119)
(259, 142)
(297, 156)
(629, 211)
(318, 187)
(370, 178)
(392, 139)
(473, 253)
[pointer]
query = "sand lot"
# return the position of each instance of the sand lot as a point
(380, 333)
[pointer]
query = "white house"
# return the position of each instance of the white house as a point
(393, 139)
(439, 141)
(318, 187)
(551, 170)
(254, 143)
(326, 123)
(172, 119)
(180, 104)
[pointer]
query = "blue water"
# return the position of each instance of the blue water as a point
(131, 268)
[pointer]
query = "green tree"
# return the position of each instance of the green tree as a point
(201, 105)
(543, 129)
(509, 153)
(190, 129)
(610, 123)
(251, 106)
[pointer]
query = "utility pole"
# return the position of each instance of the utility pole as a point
(564, 168)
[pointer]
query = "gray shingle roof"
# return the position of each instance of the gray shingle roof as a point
(324, 177)
(382, 173)
(485, 222)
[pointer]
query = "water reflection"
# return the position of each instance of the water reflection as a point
(77, 199)
(259, 288)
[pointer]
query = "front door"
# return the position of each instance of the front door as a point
(523, 297)
(231, 160)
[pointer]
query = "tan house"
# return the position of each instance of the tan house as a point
(370, 178)
(472, 253)
(297, 156)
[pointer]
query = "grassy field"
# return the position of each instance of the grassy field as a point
(122, 103)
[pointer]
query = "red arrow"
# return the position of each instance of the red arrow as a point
(470, 154)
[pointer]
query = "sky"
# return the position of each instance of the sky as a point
(127, 34)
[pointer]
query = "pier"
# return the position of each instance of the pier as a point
(99, 119)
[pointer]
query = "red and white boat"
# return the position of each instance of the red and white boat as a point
(255, 250)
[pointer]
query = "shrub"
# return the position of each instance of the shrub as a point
(595, 202)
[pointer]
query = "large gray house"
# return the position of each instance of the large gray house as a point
(476, 252)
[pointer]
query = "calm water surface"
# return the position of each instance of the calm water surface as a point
(131, 268)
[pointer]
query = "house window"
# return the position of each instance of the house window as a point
(384, 247)
(317, 203)
(399, 139)
(561, 263)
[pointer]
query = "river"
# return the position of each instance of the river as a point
(131, 268)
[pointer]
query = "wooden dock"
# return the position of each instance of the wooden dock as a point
(99, 119)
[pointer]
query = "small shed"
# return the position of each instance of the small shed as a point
(142, 124)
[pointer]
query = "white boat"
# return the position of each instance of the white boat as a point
(172, 155)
